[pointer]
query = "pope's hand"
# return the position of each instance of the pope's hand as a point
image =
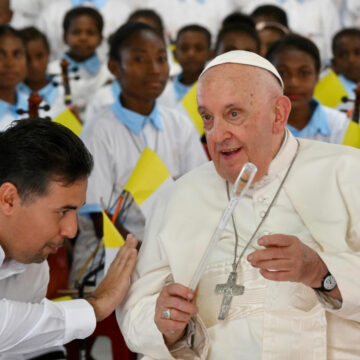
(178, 303)
(112, 290)
(286, 258)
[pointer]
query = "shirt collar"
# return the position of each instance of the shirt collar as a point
(91, 65)
(48, 93)
(318, 123)
(348, 85)
(116, 89)
(135, 121)
(97, 3)
(180, 88)
(21, 103)
(9, 267)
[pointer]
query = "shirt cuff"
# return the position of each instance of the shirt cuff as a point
(328, 302)
(186, 340)
(80, 320)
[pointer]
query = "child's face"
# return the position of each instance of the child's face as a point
(12, 62)
(346, 59)
(83, 37)
(237, 41)
(268, 36)
(37, 57)
(298, 71)
(143, 69)
(192, 51)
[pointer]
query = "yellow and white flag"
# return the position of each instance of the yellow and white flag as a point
(148, 180)
(352, 135)
(189, 102)
(68, 119)
(329, 91)
(112, 241)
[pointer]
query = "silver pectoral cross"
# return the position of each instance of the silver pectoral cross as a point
(229, 289)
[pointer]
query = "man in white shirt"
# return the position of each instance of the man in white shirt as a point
(293, 242)
(43, 179)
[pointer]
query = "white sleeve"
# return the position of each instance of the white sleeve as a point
(101, 180)
(136, 315)
(26, 327)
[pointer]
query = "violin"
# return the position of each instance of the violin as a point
(66, 82)
(34, 106)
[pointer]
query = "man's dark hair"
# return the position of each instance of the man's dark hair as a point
(195, 28)
(31, 33)
(297, 42)
(34, 152)
(6, 30)
(150, 14)
(238, 18)
(238, 28)
(81, 11)
(274, 13)
(345, 32)
(122, 37)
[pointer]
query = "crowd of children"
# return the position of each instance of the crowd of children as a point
(130, 77)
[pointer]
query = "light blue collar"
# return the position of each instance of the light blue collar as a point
(97, 3)
(116, 89)
(91, 65)
(48, 93)
(180, 89)
(21, 103)
(317, 124)
(349, 86)
(135, 121)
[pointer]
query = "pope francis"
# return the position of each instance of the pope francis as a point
(294, 293)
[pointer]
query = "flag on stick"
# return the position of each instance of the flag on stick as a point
(68, 119)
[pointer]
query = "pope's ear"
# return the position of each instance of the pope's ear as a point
(9, 197)
(282, 111)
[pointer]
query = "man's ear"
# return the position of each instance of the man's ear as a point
(9, 198)
(282, 112)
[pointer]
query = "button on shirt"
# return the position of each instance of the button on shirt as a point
(8, 112)
(29, 321)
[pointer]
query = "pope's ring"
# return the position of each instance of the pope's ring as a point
(166, 314)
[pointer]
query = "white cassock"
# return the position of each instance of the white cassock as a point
(30, 322)
(319, 203)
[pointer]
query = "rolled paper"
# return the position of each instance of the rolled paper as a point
(241, 185)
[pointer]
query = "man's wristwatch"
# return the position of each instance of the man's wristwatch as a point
(328, 283)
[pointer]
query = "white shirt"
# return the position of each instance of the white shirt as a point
(82, 89)
(29, 321)
(105, 96)
(320, 20)
(50, 20)
(178, 13)
(116, 151)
